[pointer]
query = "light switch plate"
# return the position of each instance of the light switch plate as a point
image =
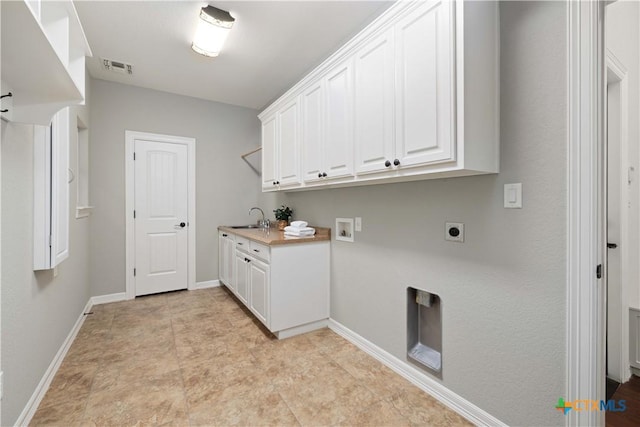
(513, 196)
(358, 224)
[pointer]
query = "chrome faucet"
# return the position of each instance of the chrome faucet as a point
(263, 223)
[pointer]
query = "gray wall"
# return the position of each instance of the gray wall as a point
(225, 185)
(503, 289)
(38, 309)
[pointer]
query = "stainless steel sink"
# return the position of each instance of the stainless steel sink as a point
(245, 226)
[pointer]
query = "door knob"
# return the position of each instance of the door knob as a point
(396, 162)
(387, 163)
(182, 224)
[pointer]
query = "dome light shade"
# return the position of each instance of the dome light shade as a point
(213, 28)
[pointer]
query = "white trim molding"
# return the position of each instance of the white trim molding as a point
(41, 389)
(585, 302)
(207, 284)
(447, 397)
(615, 66)
(130, 137)
(106, 299)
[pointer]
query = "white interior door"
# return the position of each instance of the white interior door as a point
(161, 217)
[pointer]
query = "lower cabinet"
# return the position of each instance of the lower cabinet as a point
(226, 258)
(259, 294)
(241, 270)
(286, 286)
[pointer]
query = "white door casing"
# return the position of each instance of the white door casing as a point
(585, 244)
(617, 264)
(160, 188)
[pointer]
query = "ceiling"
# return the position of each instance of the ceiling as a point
(271, 46)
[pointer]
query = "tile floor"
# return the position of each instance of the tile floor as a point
(199, 358)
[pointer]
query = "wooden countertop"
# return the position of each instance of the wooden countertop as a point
(272, 236)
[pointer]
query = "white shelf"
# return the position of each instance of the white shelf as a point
(43, 51)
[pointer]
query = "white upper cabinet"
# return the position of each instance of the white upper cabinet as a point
(281, 148)
(415, 95)
(269, 153)
(289, 144)
(374, 98)
(424, 93)
(327, 125)
(338, 130)
(43, 56)
(312, 125)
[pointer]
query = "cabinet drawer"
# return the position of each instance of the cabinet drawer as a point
(226, 235)
(260, 251)
(242, 243)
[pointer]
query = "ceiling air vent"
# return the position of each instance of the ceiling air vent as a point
(117, 66)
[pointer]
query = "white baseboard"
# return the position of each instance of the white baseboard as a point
(447, 397)
(36, 398)
(106, 299)
(302, 329)
(207, 284)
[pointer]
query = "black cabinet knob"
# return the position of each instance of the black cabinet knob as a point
(274, 183)
(324, 174)
(278, 182)
(396, 162)
(319, 175)
(387, 163)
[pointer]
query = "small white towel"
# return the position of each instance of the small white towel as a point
(299, 234)
(299, 230)
(299, 224)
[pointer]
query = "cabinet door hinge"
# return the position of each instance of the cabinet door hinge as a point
(134, 155)
(134, 272)
(134, 214)
(50, 240)
(599, 271)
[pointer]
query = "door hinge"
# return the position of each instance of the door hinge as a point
(50, 240)
(134, 272)
(599, 271)
(134, 155)
(134, 214)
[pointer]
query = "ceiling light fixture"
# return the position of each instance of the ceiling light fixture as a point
(213, 28)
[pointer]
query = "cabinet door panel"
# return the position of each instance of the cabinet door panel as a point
(289, 145)
(240, 286)
(223, 274)
(374, 104)
(312, 132)
(338, 141)
(60, 188)
(269, 155)
(259, 295)
(424, 108)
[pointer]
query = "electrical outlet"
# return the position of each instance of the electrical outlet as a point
(358, 224)
(454, 232)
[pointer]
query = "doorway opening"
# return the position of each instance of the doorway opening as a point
(160, 213)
